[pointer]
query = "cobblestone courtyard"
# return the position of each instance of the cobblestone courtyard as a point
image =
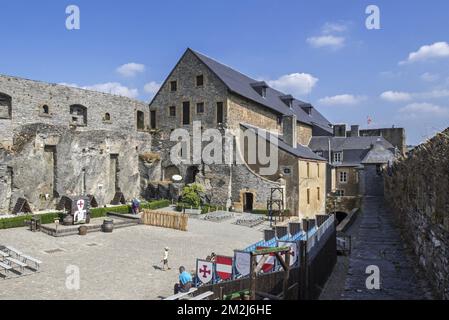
(118, 265)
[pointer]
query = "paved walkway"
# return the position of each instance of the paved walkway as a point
(378, 243)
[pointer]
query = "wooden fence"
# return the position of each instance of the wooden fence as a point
(170, 220)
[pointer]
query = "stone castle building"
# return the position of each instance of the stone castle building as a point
(202, 89)
(59, 141)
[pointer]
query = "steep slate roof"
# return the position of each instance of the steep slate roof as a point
(378, 154)
(347, 143)
(241, 85)
(300, 151)
(355, 149)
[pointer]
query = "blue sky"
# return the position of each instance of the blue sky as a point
(320, 51)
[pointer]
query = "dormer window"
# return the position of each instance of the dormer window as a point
(307, 109)
(288, 100)
(261, 88)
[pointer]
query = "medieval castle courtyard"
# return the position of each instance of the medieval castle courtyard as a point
(118, 266)
(224, 151)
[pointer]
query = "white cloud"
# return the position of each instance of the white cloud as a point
(395, 96)
(131, 69)
(434, 94)
(430, 77)
(332, 27)
(424, 109)
(109, 87)
(333, 42)
(342, 99)
(295, 83)
(152, 87)
(427, 52)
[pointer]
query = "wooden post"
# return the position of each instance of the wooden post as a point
(303, 270)
(286, 274)
(253, 277)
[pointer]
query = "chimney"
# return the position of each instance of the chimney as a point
(355, 131)
(340, 130)
(289, 130)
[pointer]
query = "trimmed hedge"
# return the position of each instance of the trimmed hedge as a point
(47, 218)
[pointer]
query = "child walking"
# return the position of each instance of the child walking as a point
(165, 260)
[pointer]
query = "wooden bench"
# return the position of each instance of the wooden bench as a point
(203, 296)
(26, 259)
(16, 262)
(182, 294)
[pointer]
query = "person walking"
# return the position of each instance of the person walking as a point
(165, 265)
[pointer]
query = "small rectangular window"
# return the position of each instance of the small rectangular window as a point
(308, 170)
(220, 115)
(340, 193)
(153, 119)
(318, 190)
(308, 196)
(200, 81)
(338, 157)
(200, 107)
(173, 86)
(186, 113)
(318, 170)
(172, 112)
(343, 177)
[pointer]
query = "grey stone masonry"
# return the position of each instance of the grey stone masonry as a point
(39, 102)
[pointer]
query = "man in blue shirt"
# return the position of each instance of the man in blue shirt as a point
(185, 281)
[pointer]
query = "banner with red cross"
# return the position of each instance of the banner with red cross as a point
(205, 271)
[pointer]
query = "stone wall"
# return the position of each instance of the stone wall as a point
(417, 190)
(53, 161)
(210, 93)
(351, 187)
(28, 99)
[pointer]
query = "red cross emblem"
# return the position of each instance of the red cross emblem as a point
(205, 271)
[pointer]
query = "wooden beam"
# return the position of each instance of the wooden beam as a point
(261, 263)
(286, 275)
(282, 262)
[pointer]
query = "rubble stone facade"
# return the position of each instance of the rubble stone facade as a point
(62, 141)
(416, 189)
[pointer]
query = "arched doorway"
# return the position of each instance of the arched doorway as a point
(191, 174)
(248, 202)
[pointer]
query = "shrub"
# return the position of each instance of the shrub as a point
(48, 218)
(191, 195)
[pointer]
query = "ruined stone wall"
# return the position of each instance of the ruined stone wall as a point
(53, 161)
(417, 190)
(29, 98)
